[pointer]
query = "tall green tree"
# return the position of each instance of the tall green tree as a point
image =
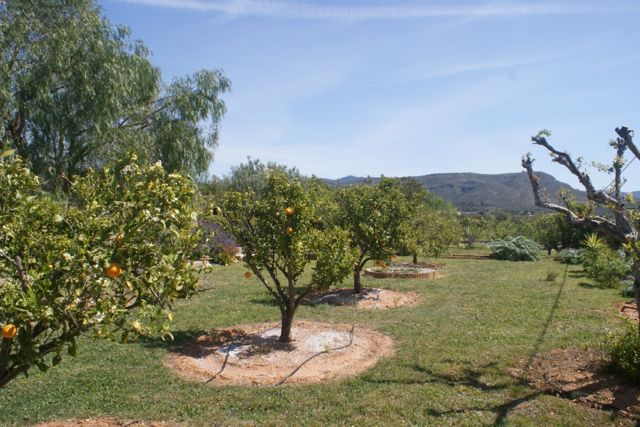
(278, 231)
(373, 215)
(76, 92)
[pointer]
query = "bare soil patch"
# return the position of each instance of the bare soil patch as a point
(251, 355)
(105, 422)
(404, 271)
(370, 298)
(629, 310)
(581, 376)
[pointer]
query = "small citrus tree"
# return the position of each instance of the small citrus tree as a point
(432, 224)
(373, 216)
(109, 261)
(279, 233)
(431, 232)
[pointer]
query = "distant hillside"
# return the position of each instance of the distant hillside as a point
(474, 192)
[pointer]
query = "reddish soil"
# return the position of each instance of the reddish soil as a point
(105, 422)
(629, 310)
(251, 355)
(370, 298)
(581, 376)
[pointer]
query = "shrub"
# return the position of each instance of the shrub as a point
(606, 266)
(518, 248)
(624, 349)
(569, 256)
(216, 243)
(109, 261)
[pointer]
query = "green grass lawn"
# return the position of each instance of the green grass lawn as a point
(451, 367)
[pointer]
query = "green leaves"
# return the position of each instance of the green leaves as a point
(53, 257)
(78, 92)
(280, 231)
(517, 248)
(7, 152)
(373, 216)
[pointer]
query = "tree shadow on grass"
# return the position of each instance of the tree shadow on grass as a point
(577, 274)
(180, 338)
(472, 376)
(588, 285)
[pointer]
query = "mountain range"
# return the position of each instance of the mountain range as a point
(481, 193)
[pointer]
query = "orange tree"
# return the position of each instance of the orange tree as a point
(108, 261)
(373, 215)
(279, 231)
(432, 224)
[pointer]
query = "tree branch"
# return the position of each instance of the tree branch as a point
(606, 226)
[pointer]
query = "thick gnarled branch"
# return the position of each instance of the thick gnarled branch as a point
(608, 227)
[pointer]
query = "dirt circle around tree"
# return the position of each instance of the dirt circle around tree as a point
(581, 376)
(369, 298)
(404, 271)
(629, 310)
(251, 355)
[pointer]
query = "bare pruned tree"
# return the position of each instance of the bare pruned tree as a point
(623, 222)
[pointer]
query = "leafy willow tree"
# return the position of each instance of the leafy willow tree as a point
(374, 216)
(622, 223)
(278, 231)
(108, 261)
(76, 92)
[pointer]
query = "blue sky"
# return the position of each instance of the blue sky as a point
(404, 87)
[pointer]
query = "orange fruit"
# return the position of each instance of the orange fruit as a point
(288, 211)
(9, 331)
(119, 239)
(289, 230)
(247, 275)
(113, 271)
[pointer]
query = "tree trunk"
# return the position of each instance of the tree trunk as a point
(357, 284)
(415, 258)
(287, 323)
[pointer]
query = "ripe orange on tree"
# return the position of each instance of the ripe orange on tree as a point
(289, 230)
(113, 271)
(9, 331)
(288, 211)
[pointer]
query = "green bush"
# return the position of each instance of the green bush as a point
(518, 248)
(109, 261)
(607, 269)
(569, 256)
(606, 266)
(624, 349)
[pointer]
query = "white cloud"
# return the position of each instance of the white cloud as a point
(288, 9)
